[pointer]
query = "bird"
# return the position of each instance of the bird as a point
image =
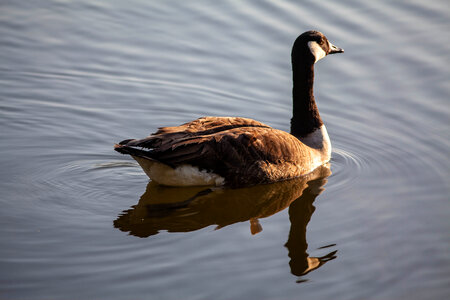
(237, 152)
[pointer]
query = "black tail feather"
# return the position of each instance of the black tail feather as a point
(124, 142)
(124, 149)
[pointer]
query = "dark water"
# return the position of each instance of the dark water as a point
(79, 221)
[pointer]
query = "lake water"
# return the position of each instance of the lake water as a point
(80, 221)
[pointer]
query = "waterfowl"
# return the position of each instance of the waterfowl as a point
(238, 152)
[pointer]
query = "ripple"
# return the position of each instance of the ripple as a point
(81, 184)
(110, 165)
(346, 167)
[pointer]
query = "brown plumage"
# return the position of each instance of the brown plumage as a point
(243, 151)
(239, 151)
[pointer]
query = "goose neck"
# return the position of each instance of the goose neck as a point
(306, 117)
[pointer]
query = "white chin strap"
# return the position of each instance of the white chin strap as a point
(316, 50)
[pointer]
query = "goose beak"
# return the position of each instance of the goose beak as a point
(335, 49)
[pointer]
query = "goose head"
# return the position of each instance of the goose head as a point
(311, 46)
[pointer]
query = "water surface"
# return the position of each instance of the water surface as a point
(79, 221)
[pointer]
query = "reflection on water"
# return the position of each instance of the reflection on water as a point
(193, 208)
(300, 212)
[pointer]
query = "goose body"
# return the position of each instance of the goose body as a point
(239, 151)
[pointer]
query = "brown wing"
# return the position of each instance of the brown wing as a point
(166, 136)
(243, 151)
(187, 139)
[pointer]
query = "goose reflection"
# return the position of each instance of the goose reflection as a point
(171, 209)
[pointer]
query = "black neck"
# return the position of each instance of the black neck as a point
(306, 116)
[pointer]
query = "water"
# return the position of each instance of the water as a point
(79, 221)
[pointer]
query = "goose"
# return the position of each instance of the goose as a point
(238, 152)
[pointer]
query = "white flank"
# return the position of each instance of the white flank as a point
(316, 50)
(184, 175)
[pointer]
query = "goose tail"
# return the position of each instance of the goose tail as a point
(124, 147)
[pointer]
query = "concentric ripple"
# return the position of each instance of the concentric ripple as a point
(345, 167)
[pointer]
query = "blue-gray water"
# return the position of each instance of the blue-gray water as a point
(78, 76)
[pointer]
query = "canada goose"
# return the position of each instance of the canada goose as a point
(240, 152)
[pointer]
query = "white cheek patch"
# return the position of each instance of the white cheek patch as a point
(316, 50)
